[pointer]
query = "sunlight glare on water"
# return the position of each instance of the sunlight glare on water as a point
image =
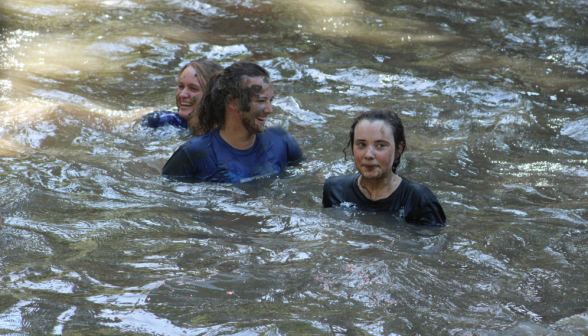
(493, 98)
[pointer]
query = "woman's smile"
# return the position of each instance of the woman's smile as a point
(188, 93)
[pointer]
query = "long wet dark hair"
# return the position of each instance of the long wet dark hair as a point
(222, 87)
(390, 118)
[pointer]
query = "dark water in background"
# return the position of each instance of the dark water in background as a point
(493, 95)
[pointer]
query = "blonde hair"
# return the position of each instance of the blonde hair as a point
(204, 70)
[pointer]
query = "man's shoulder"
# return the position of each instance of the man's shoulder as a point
(277, 132)
(199, 143)
(278, 138)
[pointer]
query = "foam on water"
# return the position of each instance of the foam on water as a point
(95, 240)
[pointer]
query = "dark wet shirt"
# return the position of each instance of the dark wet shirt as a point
(210, 158)
(160, 118)
(412, 201)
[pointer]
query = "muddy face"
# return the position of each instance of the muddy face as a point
(262, 94)
(373, 149)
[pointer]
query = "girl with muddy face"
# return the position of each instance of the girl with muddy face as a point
(377, 142)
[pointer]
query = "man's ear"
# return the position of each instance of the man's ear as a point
(232, 104)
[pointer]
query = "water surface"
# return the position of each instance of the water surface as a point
(493, 97)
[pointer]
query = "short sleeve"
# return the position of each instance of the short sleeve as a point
(327, 194)
(335, 190)
(161, 118)
(151, 119)
(426, 210)
(294, 151)
(180, 165)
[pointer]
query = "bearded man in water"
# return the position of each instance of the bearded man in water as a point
(237, 145)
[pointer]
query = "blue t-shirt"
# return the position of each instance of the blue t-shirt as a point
(210, 158)
(160, 118)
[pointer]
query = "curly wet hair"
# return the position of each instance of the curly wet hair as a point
(224, 86)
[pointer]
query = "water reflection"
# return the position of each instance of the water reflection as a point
(493, 97)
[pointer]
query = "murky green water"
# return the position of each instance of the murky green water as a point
(494, 98)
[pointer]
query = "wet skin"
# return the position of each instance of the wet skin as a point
(188, 93)
(374, 150)
(262, 93)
